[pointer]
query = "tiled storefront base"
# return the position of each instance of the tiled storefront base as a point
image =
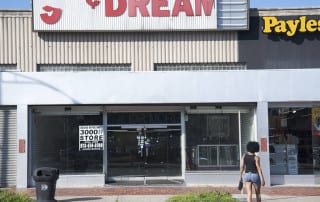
(294, 179)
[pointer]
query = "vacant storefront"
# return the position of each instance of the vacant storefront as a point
(140, 146)
(136, 103)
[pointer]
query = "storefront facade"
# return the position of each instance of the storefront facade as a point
(287, 41)
(168, 107)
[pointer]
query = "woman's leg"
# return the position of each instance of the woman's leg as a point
(257, 190)
(249, 191)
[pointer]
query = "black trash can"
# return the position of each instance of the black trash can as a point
(46, 179)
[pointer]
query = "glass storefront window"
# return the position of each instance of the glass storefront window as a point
(55, 143)
(294, 141)
(213, 140)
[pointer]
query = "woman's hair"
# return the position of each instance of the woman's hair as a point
(253, 147)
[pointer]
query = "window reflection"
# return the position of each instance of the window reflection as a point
(55, 143)
(212, 141)
(294, 144)
(144, 152)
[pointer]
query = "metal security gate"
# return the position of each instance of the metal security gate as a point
(8, 146)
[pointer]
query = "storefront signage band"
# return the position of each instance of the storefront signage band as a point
(138, 15)
(290, 27)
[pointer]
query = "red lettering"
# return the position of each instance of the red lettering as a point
(53, 17)
(159, 8)
(141, 5)
(156, 8)
(110, 11)
(206, 5)
(93, 3)
(182, 6)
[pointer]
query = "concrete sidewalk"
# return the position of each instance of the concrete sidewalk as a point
(120, 198)
(163, 198)
(162, 193)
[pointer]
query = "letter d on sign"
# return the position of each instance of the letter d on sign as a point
(112, 12)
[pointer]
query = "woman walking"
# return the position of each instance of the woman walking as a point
(250, 163)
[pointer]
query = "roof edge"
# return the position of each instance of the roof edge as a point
(284, 11)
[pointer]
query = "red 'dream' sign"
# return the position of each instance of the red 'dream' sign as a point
(159, 8)
(115, 15)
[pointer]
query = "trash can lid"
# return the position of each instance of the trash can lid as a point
(45, 174)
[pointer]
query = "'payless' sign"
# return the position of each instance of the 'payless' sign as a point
(91, 137)
(290, 27)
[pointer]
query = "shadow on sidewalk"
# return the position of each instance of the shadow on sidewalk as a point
(80, 199)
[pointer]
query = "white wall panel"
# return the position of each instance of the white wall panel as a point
(159, 87)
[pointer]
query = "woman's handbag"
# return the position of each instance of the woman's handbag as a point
(240, 185)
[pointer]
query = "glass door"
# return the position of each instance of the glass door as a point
(162, 151)
(136, 151)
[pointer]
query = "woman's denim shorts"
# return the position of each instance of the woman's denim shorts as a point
(252, 177)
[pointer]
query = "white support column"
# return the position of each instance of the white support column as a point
(22, 136)
(183, 145)
(263, 133)
(105, 150)
(240, 140)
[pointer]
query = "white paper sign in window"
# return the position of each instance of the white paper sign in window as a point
(91, 137)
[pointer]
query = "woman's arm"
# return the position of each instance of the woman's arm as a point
(241, 166)
(257, 158)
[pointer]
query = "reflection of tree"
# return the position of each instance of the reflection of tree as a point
(218, 127)
(13, 82)
(23, 79)
(316, 123)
